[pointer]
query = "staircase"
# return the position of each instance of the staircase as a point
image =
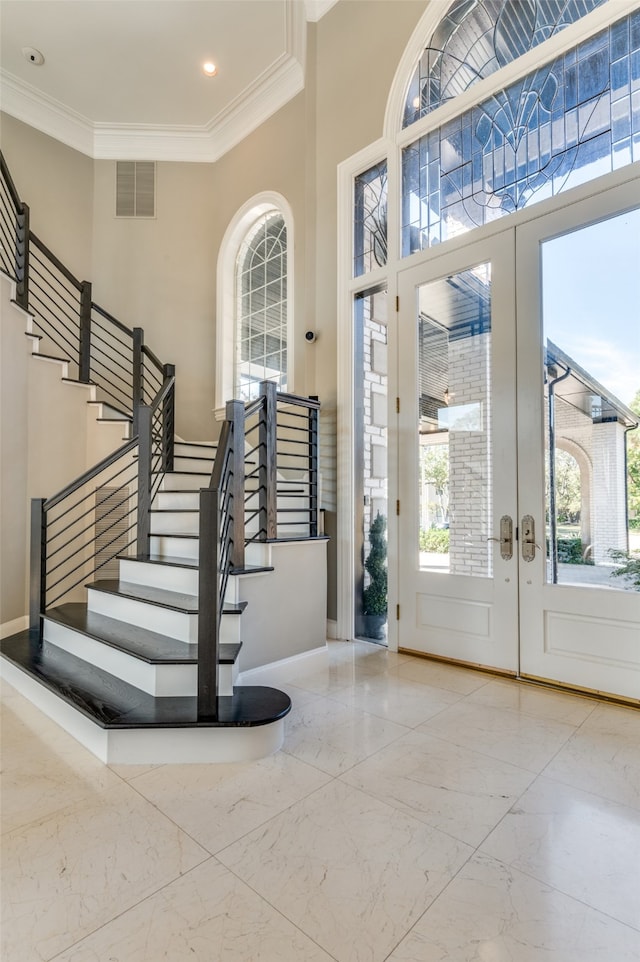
(140, 565)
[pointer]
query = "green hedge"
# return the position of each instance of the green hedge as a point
(435, 539)
(570, 552)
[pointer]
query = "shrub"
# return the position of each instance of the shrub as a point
(629, 566)
(375, 594)
(435, 539)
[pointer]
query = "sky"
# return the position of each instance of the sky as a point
(591, 300)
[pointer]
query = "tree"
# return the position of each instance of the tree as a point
(434, 464)
(633, 465)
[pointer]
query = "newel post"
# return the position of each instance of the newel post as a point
(84, 362)
(269, 460)
(37, 564)
(235, 414)
(208, 615)
(168, 419)
(22, 257)
(144, 480)
(137, 382)
(313, 469)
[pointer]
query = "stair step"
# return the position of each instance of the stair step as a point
(169, 612)
(184, 546)
(111, 703)
(185, 480)
(169, 520)
(155, 663)
(173, 600)
(149, 646)
(182, 578)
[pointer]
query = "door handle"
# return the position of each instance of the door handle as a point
(506, 537)
(529, 543)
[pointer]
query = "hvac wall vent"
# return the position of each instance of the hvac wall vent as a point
(135, 188)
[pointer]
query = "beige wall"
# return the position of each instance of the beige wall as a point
(161, 274)
(48, 437)
(57, 184)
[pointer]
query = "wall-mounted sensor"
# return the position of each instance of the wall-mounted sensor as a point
(310, 336)
(33, 56)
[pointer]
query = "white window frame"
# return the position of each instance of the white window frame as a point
(226, 299)
(389, 147)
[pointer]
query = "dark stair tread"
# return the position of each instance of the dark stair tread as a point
(175, 534)
(113, 704)
(168, 561)
(149, 646)
(251, 569)
(54, 357)
(175, 600)
(175, 510)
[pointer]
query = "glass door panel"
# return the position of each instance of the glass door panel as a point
(454, 423)
(578, 319)
(371, 467)
(591, 324)
(457, 581)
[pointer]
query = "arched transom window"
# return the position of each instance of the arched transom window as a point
(261, 306)
(569, 120)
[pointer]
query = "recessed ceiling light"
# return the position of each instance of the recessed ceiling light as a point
(210, 69)
(33, 56)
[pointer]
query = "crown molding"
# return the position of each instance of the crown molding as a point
(270, 91)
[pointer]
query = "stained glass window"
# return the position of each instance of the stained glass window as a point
(563, 124)
(261, 319)
(477, 37)
(370, 219)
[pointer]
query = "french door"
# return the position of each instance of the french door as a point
(516, 365)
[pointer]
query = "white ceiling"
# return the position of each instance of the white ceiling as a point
(123, 78)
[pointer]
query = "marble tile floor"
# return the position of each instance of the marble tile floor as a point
(417, 812)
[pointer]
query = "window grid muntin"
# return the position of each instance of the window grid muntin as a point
(622, 39)
(490, 36)
(261, 314)
(370, 219)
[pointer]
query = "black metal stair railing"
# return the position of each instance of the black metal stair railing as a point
(267, 452)
(99, 348)
(102, 515)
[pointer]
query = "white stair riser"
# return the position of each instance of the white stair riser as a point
(177, 501)
(175, 522)
(184, 580)
(184, 482)
(257, 553)
(192, 450)
(158, 680)
(174, 547)
(166, 621)
(230, 629)
(204, 465)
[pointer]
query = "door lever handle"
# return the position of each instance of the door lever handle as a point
(529, 543)
(506, 537)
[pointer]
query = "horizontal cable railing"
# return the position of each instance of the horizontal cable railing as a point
(265, 475)
(103, 515)
(13, 214)
(100, 349)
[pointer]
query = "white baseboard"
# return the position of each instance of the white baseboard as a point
(332, 630)
(13, 627)
(284, 670)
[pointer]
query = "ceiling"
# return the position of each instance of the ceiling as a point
(123, 78)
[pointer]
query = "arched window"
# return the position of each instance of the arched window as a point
(261, 307)
(568, 120)
(255, 300)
